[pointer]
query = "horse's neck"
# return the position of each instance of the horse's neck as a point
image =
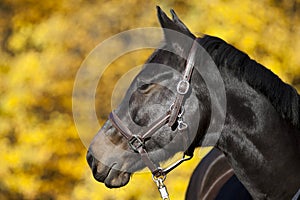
(259, 144)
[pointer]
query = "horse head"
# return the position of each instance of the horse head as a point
(147, 109)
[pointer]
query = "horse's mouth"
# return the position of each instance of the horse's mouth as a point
(116, 179)
(111, 177)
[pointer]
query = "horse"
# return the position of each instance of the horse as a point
(169, 110)
(214, 178)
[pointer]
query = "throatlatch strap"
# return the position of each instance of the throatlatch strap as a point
(183, 85)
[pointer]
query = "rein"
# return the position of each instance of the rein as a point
(175, 113)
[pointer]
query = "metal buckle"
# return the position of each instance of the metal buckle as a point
(183, 87)
(133, 145)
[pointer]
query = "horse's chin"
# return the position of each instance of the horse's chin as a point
(112, 178)
(116, 180)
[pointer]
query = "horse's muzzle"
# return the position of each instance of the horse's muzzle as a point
(111, 177)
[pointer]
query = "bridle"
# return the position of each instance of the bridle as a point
(173, 115)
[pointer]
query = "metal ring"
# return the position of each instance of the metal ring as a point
(161, 177)
(182, 125)
(183, 84)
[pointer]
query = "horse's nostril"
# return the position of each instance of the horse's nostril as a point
(90, 159)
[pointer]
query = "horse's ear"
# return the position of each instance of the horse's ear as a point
(176, 25)
(179, 23)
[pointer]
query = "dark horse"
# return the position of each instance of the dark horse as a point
(260, 136)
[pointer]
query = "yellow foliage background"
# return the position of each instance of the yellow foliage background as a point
(42, 46)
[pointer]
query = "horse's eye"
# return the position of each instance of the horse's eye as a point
(145, 88)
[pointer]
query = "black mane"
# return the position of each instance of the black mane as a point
(282, 96)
